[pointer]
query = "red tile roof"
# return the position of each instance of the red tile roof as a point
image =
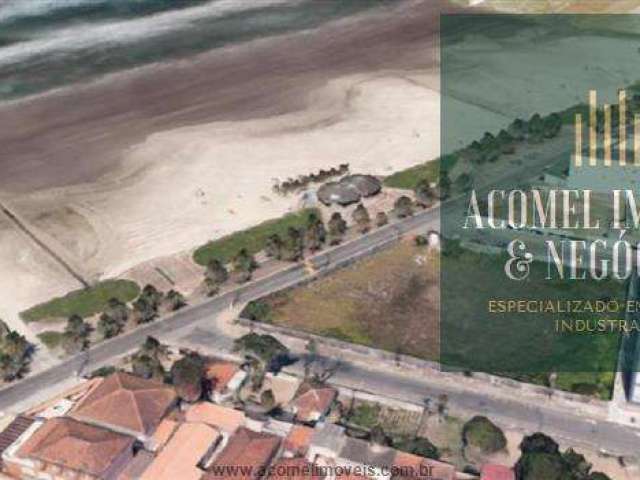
(298, 440)
(180, 457)
(220, 374)
(10, 434)
(245, 457)
(75, 445)
(224, 418)
(294, 469)
(497, 472)
(126, 401)
(409, 466)
(312, 401)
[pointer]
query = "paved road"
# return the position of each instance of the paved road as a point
(197, 319)
(574, 429)
(108, 351)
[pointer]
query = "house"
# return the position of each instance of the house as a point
(312, 403)
(225, 379)
(226, 420)
(297, 442)
(407, 466)
(66, 448)
(330, 446)
(127, 404)
(185, 455)
(496, 472)
(246, 456)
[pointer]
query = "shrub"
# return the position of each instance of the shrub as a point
(257, 311)
(482, 433)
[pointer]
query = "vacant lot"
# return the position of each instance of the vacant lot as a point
(388, 301)
(392, 301)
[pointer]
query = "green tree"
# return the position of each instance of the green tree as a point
(464, 182)
(144, 310)
(361, 218)
(482, 433)
(15, 354)
(312, 354)
(518, 129)
(273, 247)
(337, 228)
(445, 184)
(215, 275)
(315, 234)
(152, 295)
(418, 446)
(154, 348)
(76, 335)
(577, 463)
(424, 193)
(541, 459)
(146, 366)
(175, 300)
(403, 207)
(293, 245)
(552, 124)
(243, 265)
(187, 376)
(264, 348)
(535, 128)
(109, 327)
(506, 142)
(381, 219)
(117, 311)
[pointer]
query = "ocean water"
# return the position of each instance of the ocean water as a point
(46, 44)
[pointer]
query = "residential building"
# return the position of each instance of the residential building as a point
(297, 442)
(126, 404)
(66, 448)
(226, 420)
(225, 379)
(312, 402)
(185, 455)
(246, 456)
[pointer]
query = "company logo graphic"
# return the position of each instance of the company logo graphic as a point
(607, 117)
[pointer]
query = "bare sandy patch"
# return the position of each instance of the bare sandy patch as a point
(183, 187)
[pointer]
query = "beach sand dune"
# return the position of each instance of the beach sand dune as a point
(79, 133)
(158, 160)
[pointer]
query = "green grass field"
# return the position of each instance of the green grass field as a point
(253, 239)
(84, 302)
(430, 171)
(51, 339)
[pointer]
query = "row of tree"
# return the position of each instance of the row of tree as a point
(294, 184)
(15, 353)
(541, 459)
(291, 246)
(76, 336)
(187, 374)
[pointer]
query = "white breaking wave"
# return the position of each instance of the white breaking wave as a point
(33, 8)
(127, 31)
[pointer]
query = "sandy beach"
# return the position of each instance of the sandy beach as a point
(161, 159)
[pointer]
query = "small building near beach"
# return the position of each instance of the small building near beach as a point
(350, 189)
